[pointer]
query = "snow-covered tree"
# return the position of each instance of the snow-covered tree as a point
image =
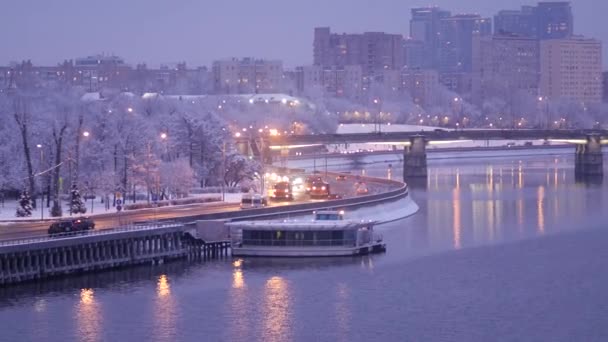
(24, 205)
(176, 177)
(76, 205)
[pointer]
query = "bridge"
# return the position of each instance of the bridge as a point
(576, 136)
(588, 142)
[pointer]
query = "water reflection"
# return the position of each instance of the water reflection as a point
(88, 317)
(277, 318)
(240, 311)
(479, 201)
(540, 207)
(343, 311)
(164, 311)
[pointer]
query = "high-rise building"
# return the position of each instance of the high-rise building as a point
(456, 40)
(605, 86)
(547, 20)
(555, 20)
(522, 22)
(421, 85)
(571, 69)
(414, 54)
(247, 76)
(373, 51)
(505, 66)
(425, 27)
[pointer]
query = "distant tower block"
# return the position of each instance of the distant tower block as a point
(414, 158)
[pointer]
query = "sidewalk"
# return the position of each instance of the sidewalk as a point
(7, 212)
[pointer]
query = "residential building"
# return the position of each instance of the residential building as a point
(247, 75)
(425, 28)
(456, 41)
(605, 86)
(346, 82)
(421, 85)
(522, 22)
(373, 51)
(571, 69)
(547, 20)
(415, 54)
(98, 71)
(504, 66)
(555, 20)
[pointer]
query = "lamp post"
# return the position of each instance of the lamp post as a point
(39, 147)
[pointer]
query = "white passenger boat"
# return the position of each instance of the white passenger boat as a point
(328, 234)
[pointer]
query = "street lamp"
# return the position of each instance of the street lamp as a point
(163, 136)
(86, 134)
(39, 146)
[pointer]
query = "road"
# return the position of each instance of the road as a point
(20, 230)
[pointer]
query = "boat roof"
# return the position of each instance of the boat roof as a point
(287, 225)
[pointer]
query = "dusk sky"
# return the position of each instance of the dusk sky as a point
(200, 31)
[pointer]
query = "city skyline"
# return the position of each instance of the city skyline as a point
(197, 33)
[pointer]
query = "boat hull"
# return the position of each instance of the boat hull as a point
(295, 252)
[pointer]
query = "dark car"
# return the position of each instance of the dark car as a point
(71, 226)
(341, 177)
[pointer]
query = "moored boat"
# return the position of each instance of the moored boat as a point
(328, 234)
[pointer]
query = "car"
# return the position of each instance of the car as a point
(71, 226)
(308, 182)
(528, 143)
(361, 188)
(252, 201)
(282, 191)
(341, 177)
(319, 189)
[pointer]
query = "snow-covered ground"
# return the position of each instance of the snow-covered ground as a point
(9, 208)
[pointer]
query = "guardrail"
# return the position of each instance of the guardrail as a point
(80, 235)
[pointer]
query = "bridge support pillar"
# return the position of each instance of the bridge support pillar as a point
(414, 158)
(588, 159)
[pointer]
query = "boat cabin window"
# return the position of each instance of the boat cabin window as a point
(328, 217)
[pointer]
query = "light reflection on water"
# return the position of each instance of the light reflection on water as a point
(276, 314)
(88, 317)
(165, 311)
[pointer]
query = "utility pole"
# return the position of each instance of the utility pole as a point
(223, 174)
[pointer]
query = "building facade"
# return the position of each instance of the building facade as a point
(421, 85)
(373, 51)
(555, 20)
(547, 20)
(605, 86)
(505, 65)
(341, 82)
(522, 22)
(456, 39)
(571, 69)
(425, 28)
(247, 76)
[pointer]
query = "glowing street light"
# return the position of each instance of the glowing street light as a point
(86, 133)
(237, 134)
(163, 136)
(39, 145)
(130, 110)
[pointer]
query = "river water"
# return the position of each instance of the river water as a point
(502, 249)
